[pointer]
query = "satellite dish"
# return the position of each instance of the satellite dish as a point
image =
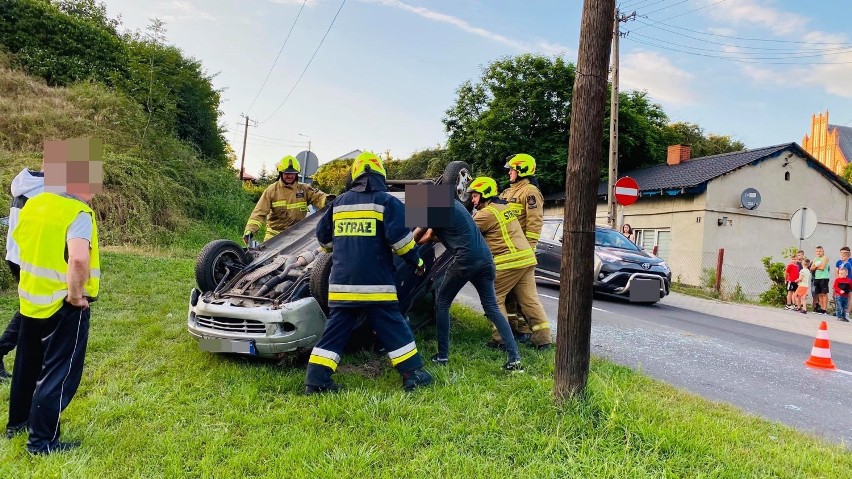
(750, 198)
(310, 164)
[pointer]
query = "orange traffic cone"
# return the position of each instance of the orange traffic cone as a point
(821, 353)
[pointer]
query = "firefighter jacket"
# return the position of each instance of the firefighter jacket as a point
(526, 202)
(504, 236)
(281, 206)
(41, 233)
(364, 227)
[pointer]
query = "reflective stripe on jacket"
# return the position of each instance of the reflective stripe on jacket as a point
(504, 236)
(281, 206)
(526, 202)
(364, 229)
(41, 234)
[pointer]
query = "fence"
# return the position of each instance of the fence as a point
(712, 273)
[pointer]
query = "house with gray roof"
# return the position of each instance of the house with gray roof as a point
(691, 208)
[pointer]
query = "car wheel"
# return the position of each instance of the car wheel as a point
(219, 260)
(457, 174)
(320, 272)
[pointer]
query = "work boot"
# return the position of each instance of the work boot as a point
(329, 388)
(441, 361)
(415, 379)
(4, 375)
(495, 345)
(59, 447)
(523, 338)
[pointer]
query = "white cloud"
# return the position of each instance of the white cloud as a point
(180, 10)
(540, 46)
(308, 3)
(753, 12)
(651, 71)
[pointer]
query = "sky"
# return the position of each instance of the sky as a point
(387, 70)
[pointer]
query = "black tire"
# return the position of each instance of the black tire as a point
(457, 174)
(216, 260)
(320, 272)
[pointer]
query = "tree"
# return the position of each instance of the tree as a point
(685, 133)
(421, 164)
(331, 177)
(520, 104)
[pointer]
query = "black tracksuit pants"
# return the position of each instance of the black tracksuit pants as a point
(9, 339)
(48, 369)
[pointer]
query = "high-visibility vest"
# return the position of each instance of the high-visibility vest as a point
(504, 237)
(41, 234)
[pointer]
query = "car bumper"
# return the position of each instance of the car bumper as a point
(258, 331)
(623, 283)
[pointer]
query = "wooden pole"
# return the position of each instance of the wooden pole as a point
(613, 131)
(243, 158)
(574, 322)
(720, 260)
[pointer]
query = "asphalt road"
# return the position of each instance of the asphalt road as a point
(758, 369)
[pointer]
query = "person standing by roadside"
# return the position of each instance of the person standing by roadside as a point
(802, 291)
(820, 269)
(60, 275)
(27, 184)
(844, 263)
(791, 274)
(842, 286)
(627, 231)
(800, 259)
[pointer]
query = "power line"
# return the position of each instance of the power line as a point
(680, 14)
(309, 62)
(736, 59)
(270, 138)
(783, 55)
(277, 56)
(748, 47)
(666, 7)
(655, 23)
(632, 5)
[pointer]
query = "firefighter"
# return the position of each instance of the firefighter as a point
(285, 202)
(514, 259)
(526, 201)
(364, 227)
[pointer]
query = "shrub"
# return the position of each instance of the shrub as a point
(777, 293)
(708, 278)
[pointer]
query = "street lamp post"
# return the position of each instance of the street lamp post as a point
(307, 157)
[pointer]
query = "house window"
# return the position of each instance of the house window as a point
(661, 238)
(786, 176)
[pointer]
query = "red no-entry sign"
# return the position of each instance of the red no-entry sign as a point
(626, 191)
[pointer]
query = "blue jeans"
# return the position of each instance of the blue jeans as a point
(841, 304)
(482, 277)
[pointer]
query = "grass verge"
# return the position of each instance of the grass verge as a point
(152, 405)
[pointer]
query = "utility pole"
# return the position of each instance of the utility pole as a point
(612, 209)
(245, 138)
(574, 320)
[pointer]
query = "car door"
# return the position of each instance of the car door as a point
(548, 252)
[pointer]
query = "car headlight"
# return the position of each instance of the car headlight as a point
(609, 257)
(664, 265)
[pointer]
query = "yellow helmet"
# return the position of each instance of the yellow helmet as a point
(523, 163)
(289, 164)
(483, 185)
(368, 160)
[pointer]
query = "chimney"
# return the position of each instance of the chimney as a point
(678, 153)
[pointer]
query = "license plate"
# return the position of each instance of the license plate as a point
(218, 345)
(645, 290)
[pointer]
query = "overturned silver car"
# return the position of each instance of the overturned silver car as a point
(272, 300)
